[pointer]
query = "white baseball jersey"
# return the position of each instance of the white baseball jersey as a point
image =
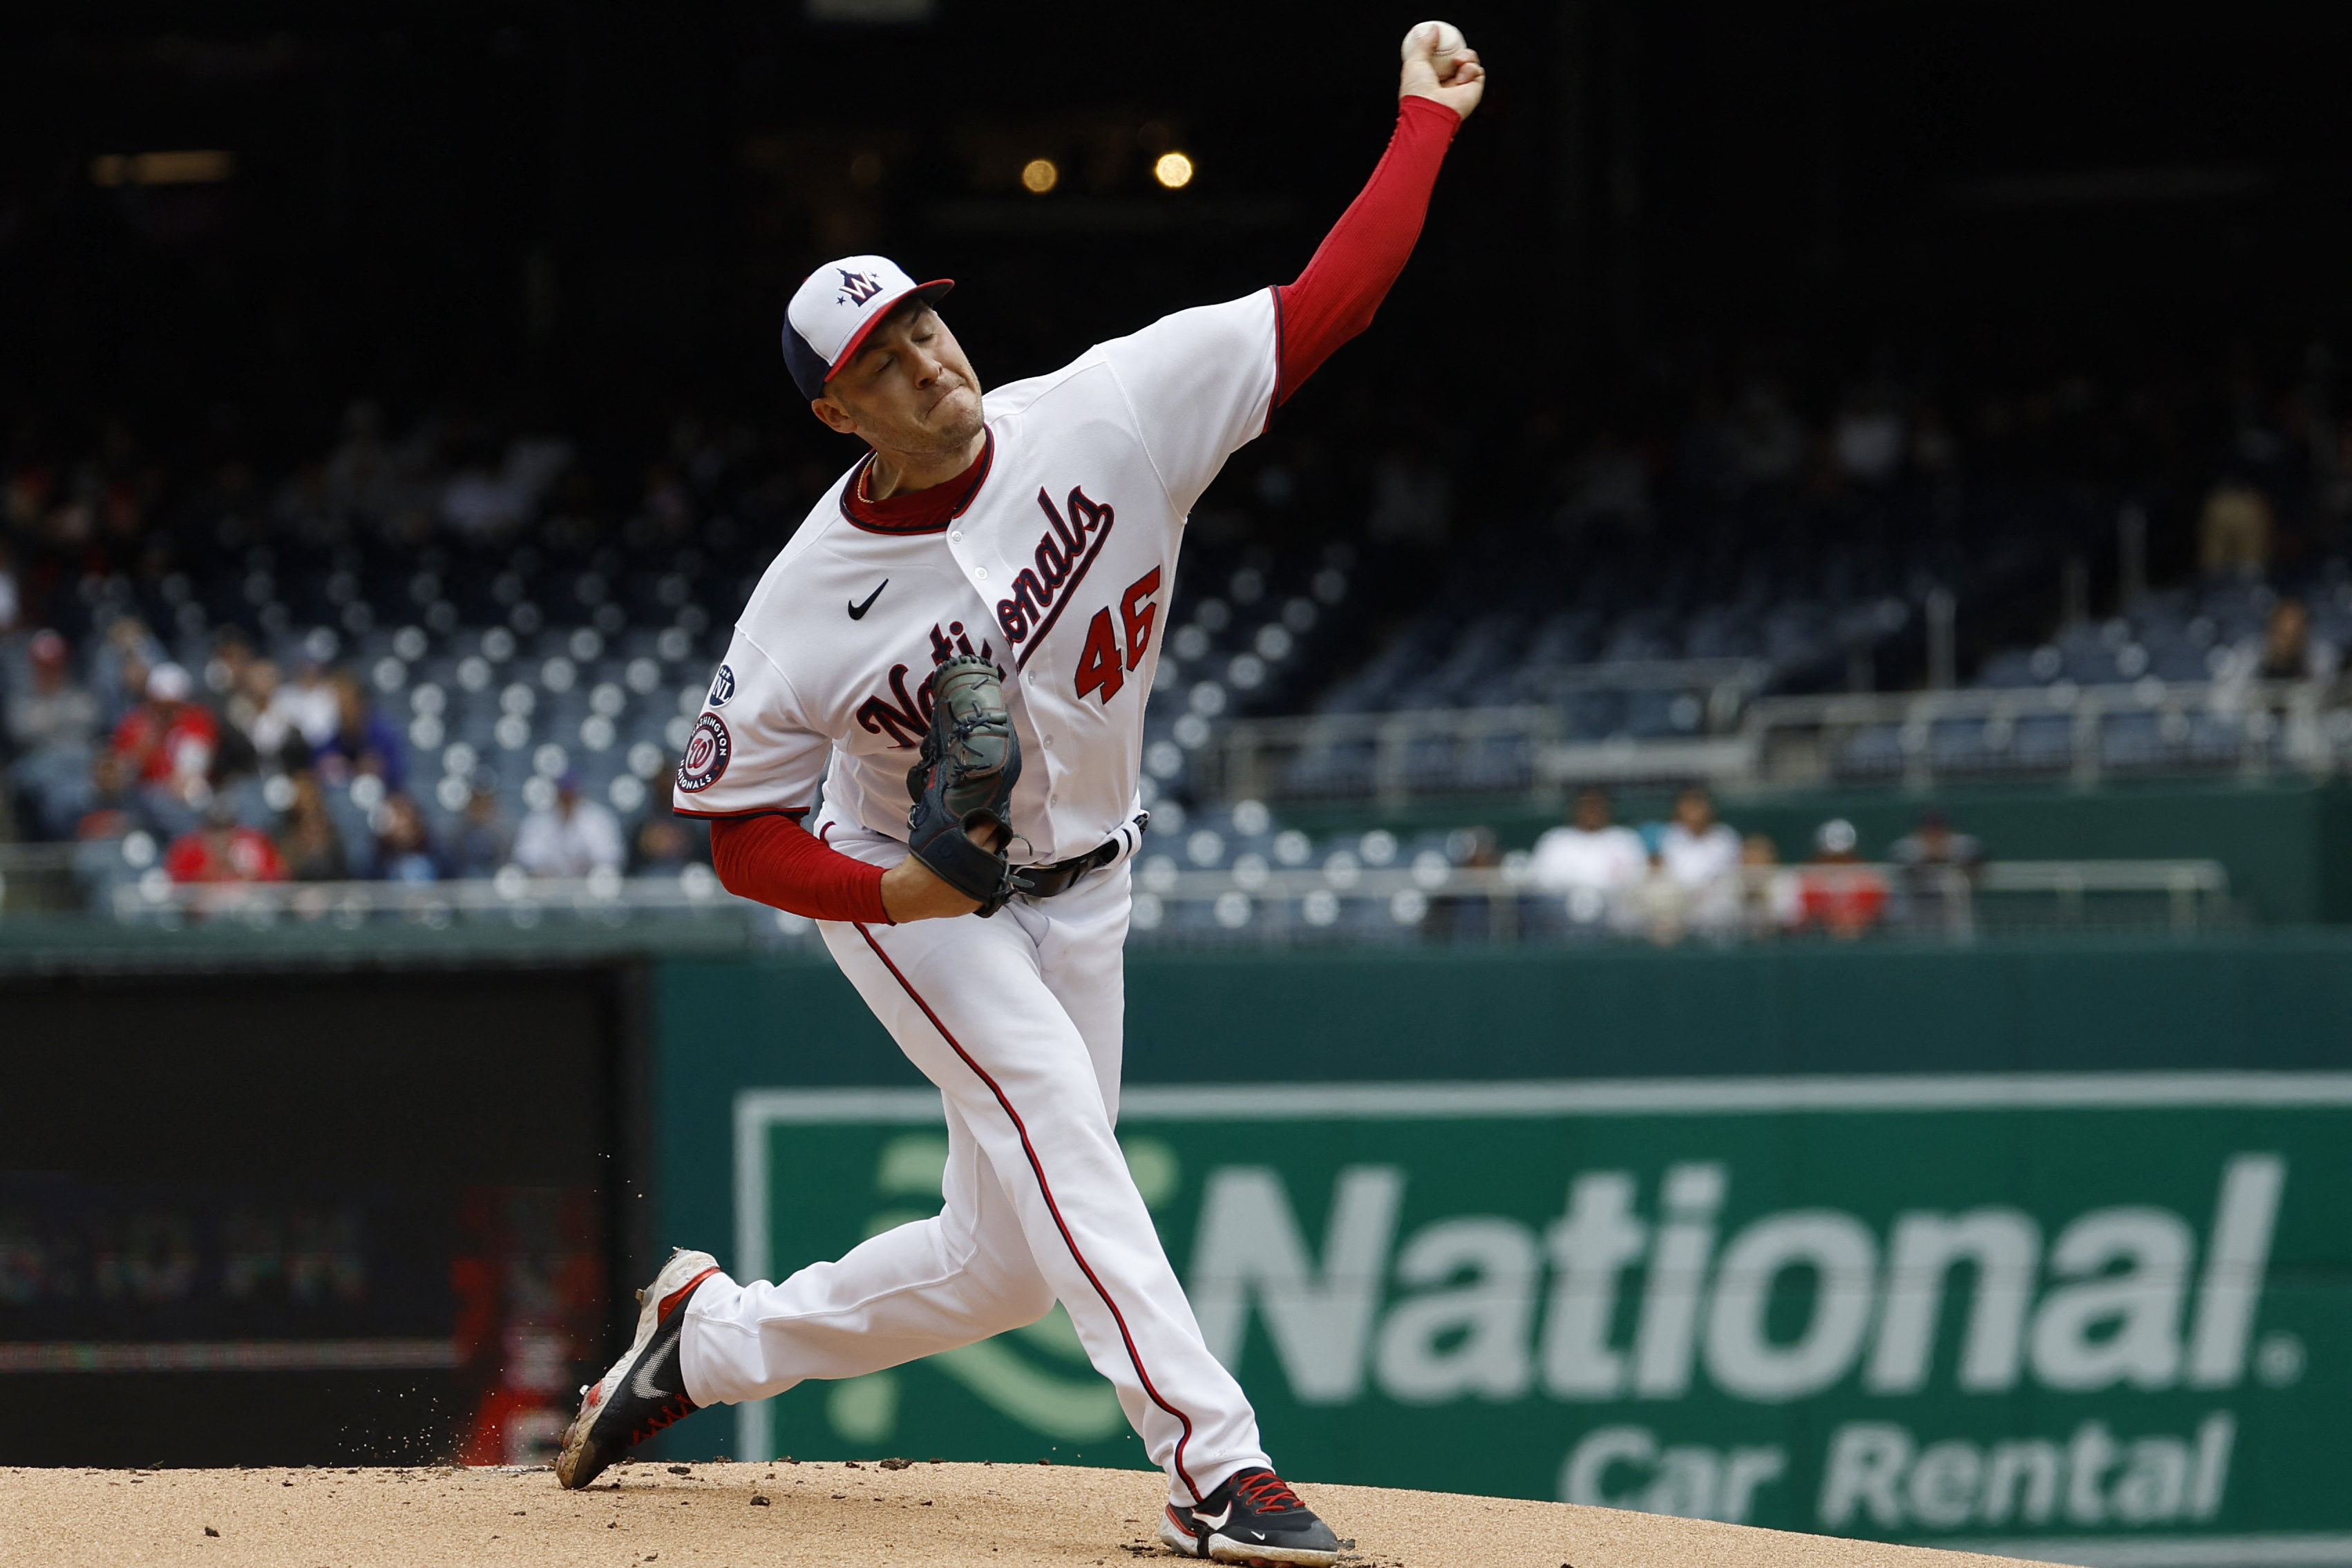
(1060, 566)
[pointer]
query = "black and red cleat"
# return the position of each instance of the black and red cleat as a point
(645, 1389)
(1255, 1519)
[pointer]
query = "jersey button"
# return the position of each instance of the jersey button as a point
(980, 572)
(955, 535)
(1049, 743)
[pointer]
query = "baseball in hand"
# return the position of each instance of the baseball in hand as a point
(1440, 64)
(1450, 43)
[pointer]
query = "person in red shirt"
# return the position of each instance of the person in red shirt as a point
(1836, 891)
(168, 739)
(224, 851)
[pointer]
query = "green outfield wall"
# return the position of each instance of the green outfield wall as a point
(2047, 1247)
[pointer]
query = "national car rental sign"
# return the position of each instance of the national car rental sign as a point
(2099, 1318)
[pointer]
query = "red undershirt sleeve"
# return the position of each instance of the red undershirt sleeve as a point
(776, 860)
(1351, 272)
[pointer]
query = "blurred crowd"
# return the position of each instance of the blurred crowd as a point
(247, 772)
(1694, 875)
(138, 583)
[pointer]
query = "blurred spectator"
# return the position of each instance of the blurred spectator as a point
(308, 836)
(110, 807)
(1657, 907)
(50, 727)
(491, 502)
(1837, 892)
(404, 845)
(482, 842)
(231, 655)
(119, 669)
(1466, 917)
(258, 709)
(308, 706)
(55, 712)
(2289, 653)
(479, 503)
(12, 603)
(1768, 899)
(1591, 861)
(363, 741)
(571, 838)
(1703, 855)
(2235, 530)
(167, 745)
(1869, 437)
(664, 845)
(1938, 871)
(223, 849)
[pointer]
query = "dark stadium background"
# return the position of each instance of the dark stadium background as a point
(576, 212)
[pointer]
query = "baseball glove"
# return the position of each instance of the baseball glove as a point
(971, 760)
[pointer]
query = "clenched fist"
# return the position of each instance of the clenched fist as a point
(1439, 64)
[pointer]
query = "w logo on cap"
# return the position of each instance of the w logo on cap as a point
(826, 321)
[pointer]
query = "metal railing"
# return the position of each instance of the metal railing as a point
(1380, 755)
(2250, 726)
(1338, 900)
(2181, 896)
(510, 897)
(1736, 738)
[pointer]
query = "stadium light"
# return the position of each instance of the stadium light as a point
(1173, 171)
(1040, 175)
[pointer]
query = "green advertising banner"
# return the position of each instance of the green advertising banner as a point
(2097, 1317)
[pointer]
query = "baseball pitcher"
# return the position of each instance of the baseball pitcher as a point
(957, 644)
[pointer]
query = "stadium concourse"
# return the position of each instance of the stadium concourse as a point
(815, 1513)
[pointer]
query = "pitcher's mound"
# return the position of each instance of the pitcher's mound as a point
(813, 1515)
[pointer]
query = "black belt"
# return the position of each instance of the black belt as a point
(1046, 881)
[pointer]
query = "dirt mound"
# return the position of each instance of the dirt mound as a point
(809, 1515)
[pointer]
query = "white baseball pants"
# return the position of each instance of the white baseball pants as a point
(1018, 1019)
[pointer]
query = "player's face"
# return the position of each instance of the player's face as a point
(909, 389)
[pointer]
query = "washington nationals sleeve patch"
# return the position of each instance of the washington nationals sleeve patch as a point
(706, 754)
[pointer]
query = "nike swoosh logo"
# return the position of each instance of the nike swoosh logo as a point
(1215, 1522)
(643, 1384)
(858, 611)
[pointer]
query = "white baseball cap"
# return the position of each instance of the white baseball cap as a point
(835, 307)
(169, 683)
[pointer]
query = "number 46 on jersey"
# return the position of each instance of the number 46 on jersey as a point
(1104, 662)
